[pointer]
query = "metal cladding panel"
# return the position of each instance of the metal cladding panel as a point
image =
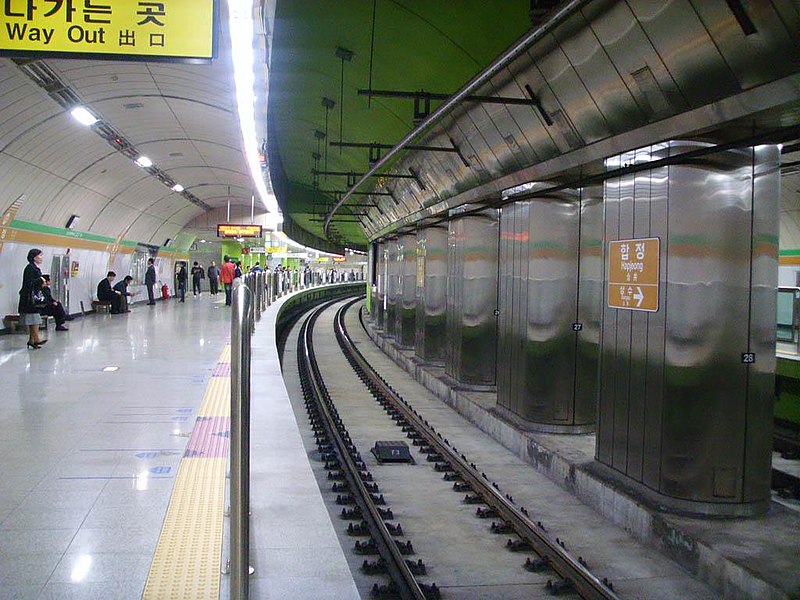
(392, 286)
(455, 286)
(431, 293)
(750, 57)
(504, 272)
(590, 303)
(407, 302)
(614, 100)
(658, 185)
(680, 411)
(472, 299)
(513, 258)
(549, 342)
(761, 382)
(699, 68)
(379, 304)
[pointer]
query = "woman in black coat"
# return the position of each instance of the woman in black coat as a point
(28, 313)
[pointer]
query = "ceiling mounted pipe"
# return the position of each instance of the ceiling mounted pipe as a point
(503, 61)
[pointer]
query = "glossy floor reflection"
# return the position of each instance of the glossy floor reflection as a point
(89, 456)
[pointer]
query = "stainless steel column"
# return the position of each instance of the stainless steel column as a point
(540, 385)
(472, 299)
(683, 416)
(431, 294)
(392, 287)
(241, 328)
(379, 303)
(407, 300)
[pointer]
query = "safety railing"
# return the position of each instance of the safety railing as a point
(251, 295)
(241, 331)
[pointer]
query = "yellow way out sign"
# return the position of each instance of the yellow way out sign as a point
(633, 274)
(173, 29)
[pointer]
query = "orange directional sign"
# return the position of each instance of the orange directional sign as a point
(633, 274)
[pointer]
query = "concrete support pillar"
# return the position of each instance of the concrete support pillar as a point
(431, 294)
(472, 300)
(686, 388)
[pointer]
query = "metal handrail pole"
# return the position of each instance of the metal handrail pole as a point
(240, 443)
(259, 294)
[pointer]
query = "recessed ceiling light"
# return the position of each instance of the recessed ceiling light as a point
(144, 162)
(83, 116)
(177, 188)
(110, 369)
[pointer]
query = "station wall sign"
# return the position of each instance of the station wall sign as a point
(633, 274)
(179, 30)
(233, 230)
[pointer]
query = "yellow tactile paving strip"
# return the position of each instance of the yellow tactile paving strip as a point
(226, 355)
(217, 401)
(187, 560)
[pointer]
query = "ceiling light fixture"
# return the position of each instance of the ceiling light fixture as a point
(241, 28)
(83, 116)
(177, 188)
(144, 162)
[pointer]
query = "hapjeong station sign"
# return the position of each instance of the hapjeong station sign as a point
(179, 30)
(633, 274)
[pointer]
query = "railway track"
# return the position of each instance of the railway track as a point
(363, 503)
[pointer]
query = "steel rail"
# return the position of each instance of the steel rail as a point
(503, 61)
(408, 588)
(588, 585)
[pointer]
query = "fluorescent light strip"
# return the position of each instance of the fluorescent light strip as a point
(241, 29)
(83, 116)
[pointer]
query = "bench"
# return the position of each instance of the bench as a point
(101, 306)
(11, 322)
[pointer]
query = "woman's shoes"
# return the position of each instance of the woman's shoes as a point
(42, 342)
(34, 346)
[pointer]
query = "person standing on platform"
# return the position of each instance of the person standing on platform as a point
(182, 278)
(237, 269)
(105, 293)
(122, 288)
(197, 274)
(28, 295)
(213, 278)
(150, 281)
(53, 308)
(226, 275)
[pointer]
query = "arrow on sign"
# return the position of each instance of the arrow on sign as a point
(638, 296)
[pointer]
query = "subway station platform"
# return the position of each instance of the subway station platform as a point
(113, 450)
(114, 444)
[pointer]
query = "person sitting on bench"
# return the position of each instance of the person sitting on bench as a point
(122, 288)
(106, 294)
(53, 308)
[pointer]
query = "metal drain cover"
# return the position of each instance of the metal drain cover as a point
(391, 452)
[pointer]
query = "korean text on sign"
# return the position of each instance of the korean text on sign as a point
(169, 28)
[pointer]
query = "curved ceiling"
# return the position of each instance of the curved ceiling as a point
(431, 46)
(181, 116)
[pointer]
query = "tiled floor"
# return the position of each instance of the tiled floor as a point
(88, 457)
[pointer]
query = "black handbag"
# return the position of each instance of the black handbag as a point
(37, 299)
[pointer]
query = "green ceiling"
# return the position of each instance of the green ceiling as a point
(431, 45)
